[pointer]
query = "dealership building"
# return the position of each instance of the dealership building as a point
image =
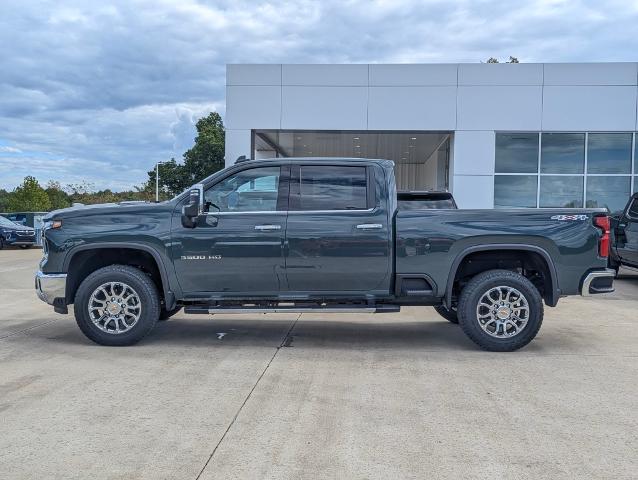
(495, 135)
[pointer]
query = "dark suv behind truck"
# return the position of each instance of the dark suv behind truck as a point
(624, 246)
(324, 235)
(12, 233)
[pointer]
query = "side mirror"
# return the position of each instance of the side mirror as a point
(193, 207)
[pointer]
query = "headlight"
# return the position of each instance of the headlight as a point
(51, 224)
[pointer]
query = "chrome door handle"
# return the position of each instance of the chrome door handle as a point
(369, 226)
(265, 228)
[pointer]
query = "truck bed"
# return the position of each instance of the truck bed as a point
(432, 241)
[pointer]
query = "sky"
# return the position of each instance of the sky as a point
(98, 92)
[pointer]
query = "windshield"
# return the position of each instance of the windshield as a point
(5, 222)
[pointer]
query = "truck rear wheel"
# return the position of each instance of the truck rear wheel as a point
(449, 315)
(500, 310)
(117, 305)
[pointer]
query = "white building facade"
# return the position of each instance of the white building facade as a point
(496, 135)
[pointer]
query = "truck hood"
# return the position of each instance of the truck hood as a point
(106, 209)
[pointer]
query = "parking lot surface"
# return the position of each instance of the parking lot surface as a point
(316, 396)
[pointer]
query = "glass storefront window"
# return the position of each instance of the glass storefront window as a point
(609, 153)
(564, 180)
(563, 153)
(608, 192)
(421, 158)
(516, 152)
(561, 191)
(515, 191)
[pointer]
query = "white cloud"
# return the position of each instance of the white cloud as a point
(9, 149)
(101, 93)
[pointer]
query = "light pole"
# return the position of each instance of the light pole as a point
(157, 180)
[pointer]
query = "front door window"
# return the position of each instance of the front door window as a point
(252, 190)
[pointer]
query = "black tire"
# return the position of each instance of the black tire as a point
(615, 266)
(166, 314)
(1, 243)
(143, 287)
(449, 315)
(24, 247)
(480, 285)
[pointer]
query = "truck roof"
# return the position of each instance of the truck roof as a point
(317, 160)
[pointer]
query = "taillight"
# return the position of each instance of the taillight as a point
(604, 224)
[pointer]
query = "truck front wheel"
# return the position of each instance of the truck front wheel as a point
(500, 310)
(117, 305)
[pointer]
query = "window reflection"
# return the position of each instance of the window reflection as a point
(561, 179)
(561, 191)
(515, 191)
(562, 153)
(609, 153)
(608, 192)
(516, 152)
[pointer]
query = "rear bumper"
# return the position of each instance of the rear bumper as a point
(598, 281)
(50, 287)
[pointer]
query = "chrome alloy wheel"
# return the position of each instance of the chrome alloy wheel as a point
(114, 307)
(502, 312)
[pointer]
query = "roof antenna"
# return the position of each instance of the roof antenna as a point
(242, 159)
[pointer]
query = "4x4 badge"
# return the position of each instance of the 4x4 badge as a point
(572, 218)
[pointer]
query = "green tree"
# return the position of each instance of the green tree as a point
(58, 197)
(203, 159)
(207, 155)
(495, 60)
(4, 200)
(29, 197)
(86, 194)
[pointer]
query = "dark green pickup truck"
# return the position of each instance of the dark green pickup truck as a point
(323, 235)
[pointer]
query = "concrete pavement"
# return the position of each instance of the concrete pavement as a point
(288, 396)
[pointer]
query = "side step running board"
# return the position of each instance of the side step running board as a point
(232, 310)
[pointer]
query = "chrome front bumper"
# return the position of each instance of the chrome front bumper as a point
(50, 286)
(599, 281)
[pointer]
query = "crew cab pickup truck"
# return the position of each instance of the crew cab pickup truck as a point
(321, 235)
(624, 229)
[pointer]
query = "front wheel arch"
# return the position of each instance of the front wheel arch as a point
(85, 259)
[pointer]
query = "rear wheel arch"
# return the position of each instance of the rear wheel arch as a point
(85, 259)
(551, 289)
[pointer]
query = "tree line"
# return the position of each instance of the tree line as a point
(204, 158)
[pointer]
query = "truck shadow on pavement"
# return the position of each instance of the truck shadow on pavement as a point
(313, 334)
(190, 332)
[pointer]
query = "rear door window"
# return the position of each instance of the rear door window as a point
(632, 211)
(332, 188)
